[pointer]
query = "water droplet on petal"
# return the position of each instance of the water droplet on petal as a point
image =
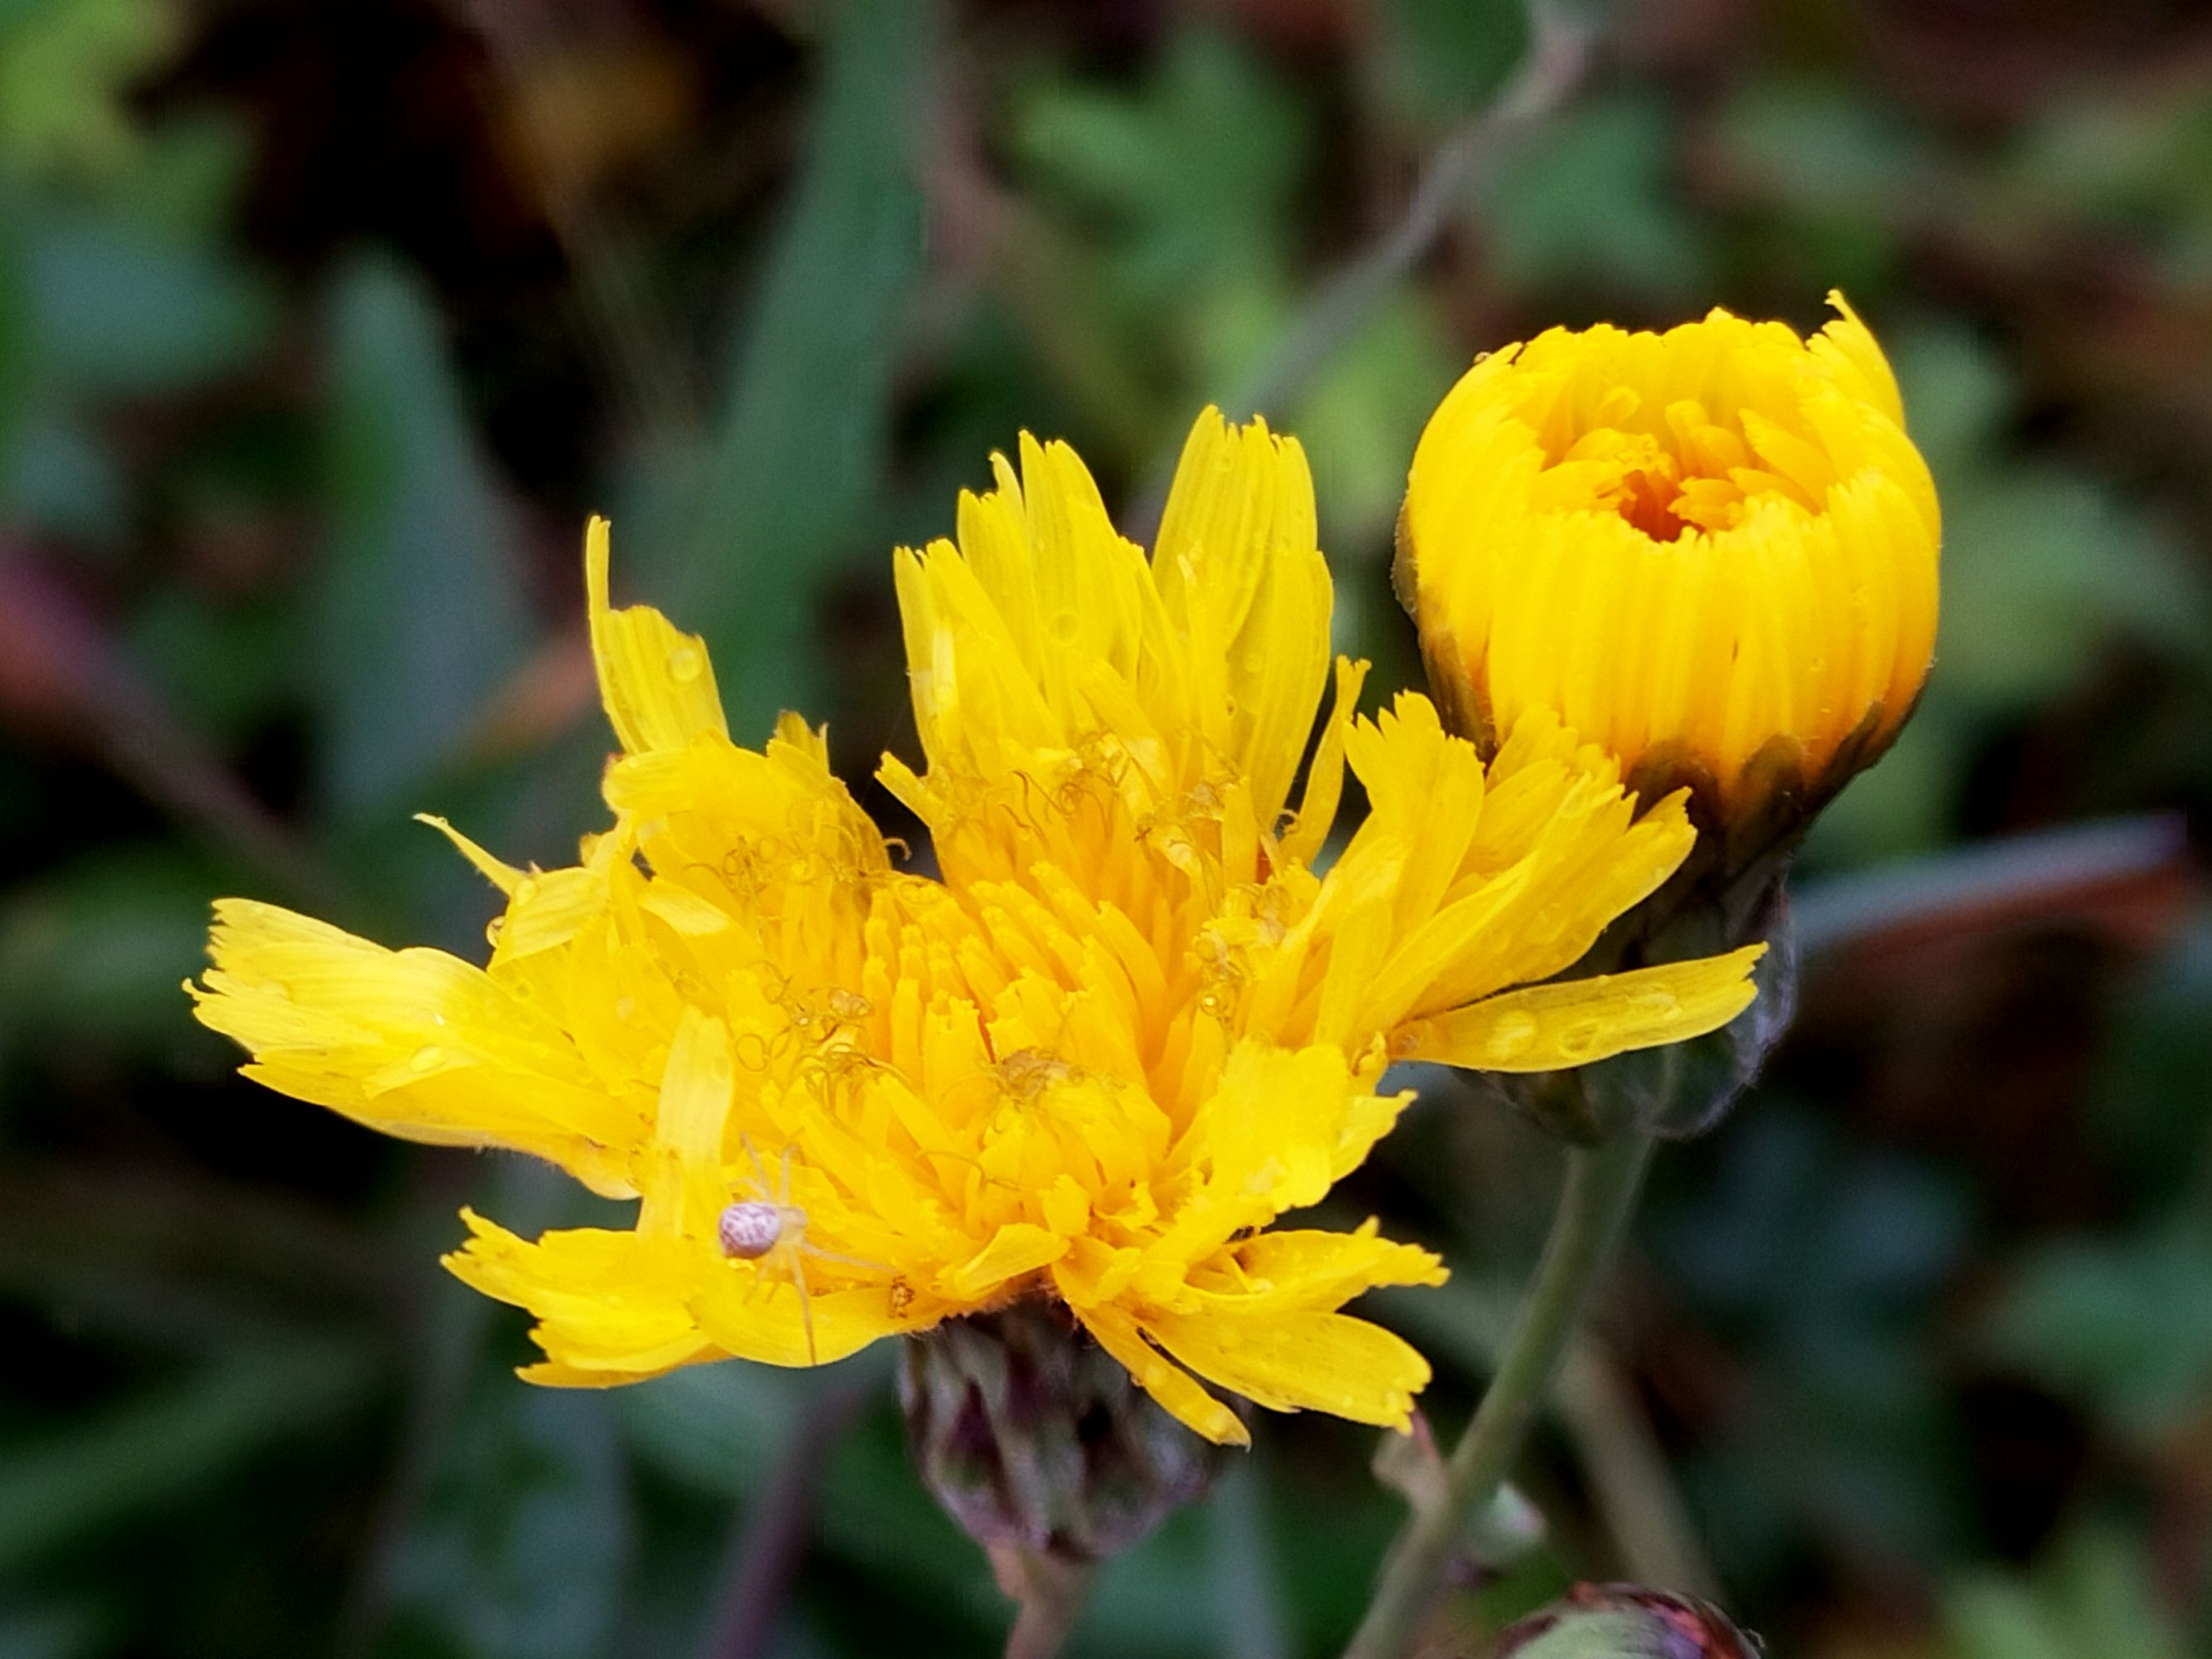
(1513, 1036)
(1578, 1040)
(1065, 627)
(685, 664)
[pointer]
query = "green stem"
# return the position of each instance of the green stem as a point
(1600, 1190)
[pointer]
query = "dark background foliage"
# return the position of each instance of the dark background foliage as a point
(322, 326)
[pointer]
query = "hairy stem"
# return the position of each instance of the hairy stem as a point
(1595, 1203)
(1050, 1594)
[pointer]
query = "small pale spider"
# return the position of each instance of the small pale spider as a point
(772, 1231)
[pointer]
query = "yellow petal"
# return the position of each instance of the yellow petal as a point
(1018, 1248)
(1713, 552)
(759, 1315)
(657, 684)
(1544, 1028)
(414, 1042)
(694, 1089)
(503, 876)
(1302, 842)
(1158, 1375)
(1291, 1362)
(1304, 1270)
(1243, 584)
(611, 1306)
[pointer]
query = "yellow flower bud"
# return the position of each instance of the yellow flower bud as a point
(1712, 552)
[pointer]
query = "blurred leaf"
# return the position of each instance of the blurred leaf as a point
(122, 311)
(418, 613)
(800, 452)
(1824, 1262)
(1591, 199)
(2128, 161)
(1838, 181)
(2153, 1095)
(1155, 1598)
(153, 1261)
(115, 1466)
(93, 952)
(19, 331)
(713, 1428)
(185, 179)
(1190, 175)
(1957, 393)
(1362, 417)
(1823, 148)
(721, 1429)
(1451, 56)
(523, 1550)
(2125, 1324)
(64, 65)
(1247, 1590)
(57, 479)
(1820, 1237)
(54, 1632)
(1358, 420)
(876, 1515)
(224, 667)
(2090, 1599)
(1905, 803)
(2041, 569)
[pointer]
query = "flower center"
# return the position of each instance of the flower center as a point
(1672, 467)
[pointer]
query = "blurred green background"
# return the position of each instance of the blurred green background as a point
(322, 327)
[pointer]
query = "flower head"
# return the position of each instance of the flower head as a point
(1711, 552)
(1127, 1030)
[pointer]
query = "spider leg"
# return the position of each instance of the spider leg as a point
(760, 1170)
(820, 1254)
(784, 1201)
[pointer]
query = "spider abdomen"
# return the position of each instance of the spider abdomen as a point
(751, 1229)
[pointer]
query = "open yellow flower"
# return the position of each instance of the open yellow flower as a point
(1127, 1030)
(1712, 551)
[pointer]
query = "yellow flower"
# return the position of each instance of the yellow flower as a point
(1712, 551)
(1127, 1029)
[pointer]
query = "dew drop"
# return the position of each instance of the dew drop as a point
(1065, 627)
(1659, 1004)
(1579, 1039)
(685, 664)
(428, 1058)
(1514, 1035)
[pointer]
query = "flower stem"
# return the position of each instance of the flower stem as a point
(1049, 1593)
(1600, 1189)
